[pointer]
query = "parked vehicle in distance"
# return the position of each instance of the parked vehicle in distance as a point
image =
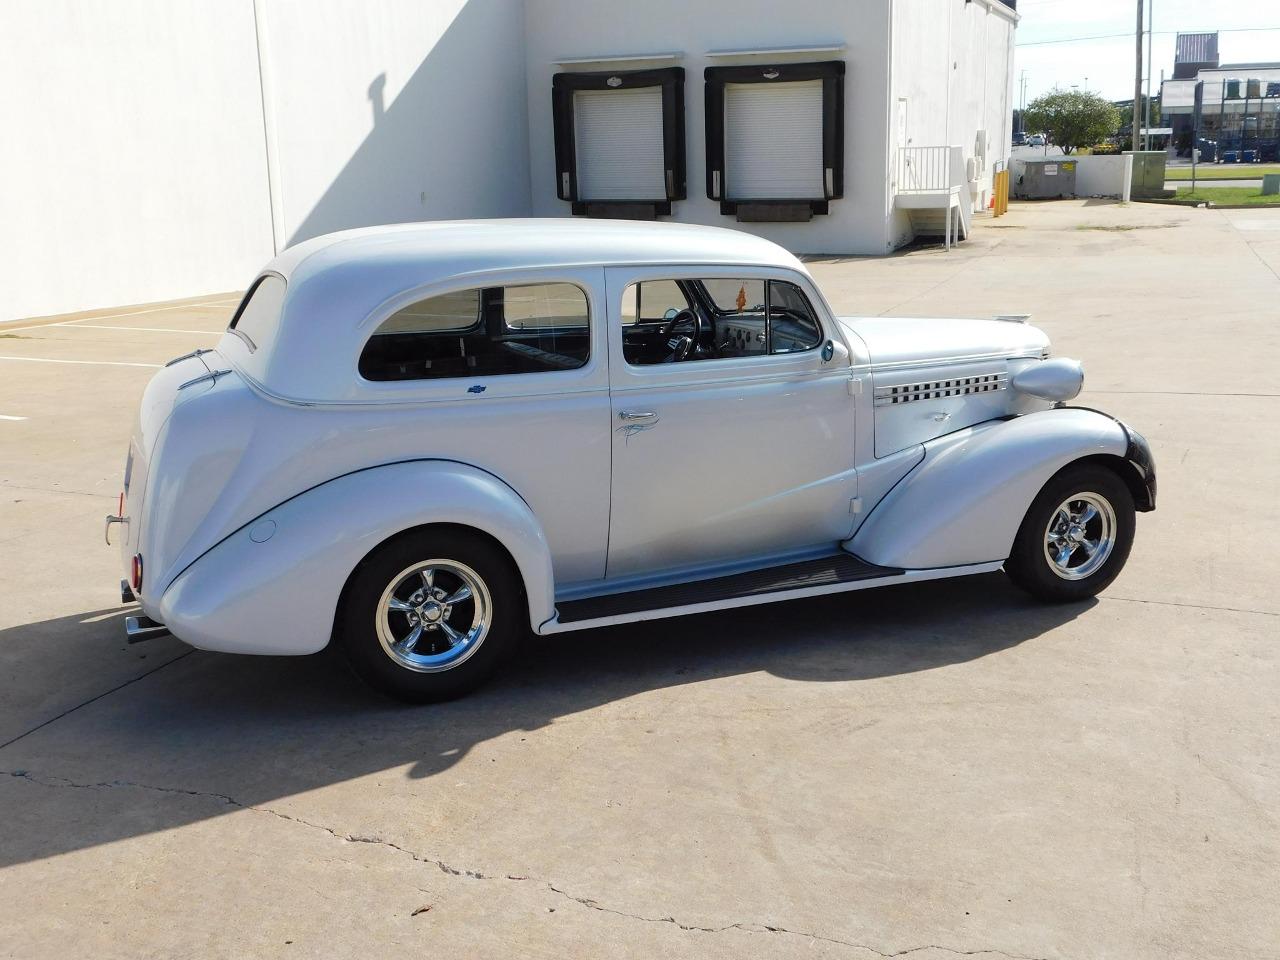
(423, 441)
(1019, 139)
(1037, 140)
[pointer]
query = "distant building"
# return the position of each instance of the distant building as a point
(1240, 116)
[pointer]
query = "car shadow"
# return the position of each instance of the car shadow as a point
(257, 729)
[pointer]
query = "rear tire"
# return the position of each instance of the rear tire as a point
(1076, 535)
(430, 615)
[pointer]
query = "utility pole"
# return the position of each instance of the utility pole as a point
(1151, 15)
(1022, 103)
(1137, 80)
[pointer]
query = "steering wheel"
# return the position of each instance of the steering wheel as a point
(681, 346)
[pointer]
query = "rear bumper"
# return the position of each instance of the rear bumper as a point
(137, 629)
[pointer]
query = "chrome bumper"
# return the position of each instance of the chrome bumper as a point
(137, 629)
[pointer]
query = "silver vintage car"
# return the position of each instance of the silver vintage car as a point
(422, 441)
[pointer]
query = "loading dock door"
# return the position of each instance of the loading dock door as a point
(618, 140)
(773, 141)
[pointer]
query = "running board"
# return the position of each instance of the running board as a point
(794, 581)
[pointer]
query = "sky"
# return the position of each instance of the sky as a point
(1105, 66)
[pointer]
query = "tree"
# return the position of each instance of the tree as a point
(1072, 118)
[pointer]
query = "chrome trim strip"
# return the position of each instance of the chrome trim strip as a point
(188, 356)
(211, 375)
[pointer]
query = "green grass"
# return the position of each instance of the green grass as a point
(1230, 195)
(1211, 171)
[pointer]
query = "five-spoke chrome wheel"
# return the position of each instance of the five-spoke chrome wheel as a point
(433, 615)
(1080, 536)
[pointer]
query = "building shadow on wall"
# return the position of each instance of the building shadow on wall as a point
(211, 734)
(452, 144)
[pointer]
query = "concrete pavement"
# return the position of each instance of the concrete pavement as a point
(935, 770)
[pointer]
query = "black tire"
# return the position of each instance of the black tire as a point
(1029, 564)
(363, 625)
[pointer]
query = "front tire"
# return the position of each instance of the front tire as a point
(1076, 535)
(429, 615)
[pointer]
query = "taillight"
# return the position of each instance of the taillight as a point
(137, 573)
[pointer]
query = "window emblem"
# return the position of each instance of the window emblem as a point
(614, 81)
(477, 388)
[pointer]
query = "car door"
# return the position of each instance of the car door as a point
(742, 456)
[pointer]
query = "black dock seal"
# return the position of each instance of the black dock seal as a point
(563, 87)
(831, 73)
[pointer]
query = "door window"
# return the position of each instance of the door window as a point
(481, 332)
(715, 319)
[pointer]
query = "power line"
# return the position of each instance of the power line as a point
(1116, 36)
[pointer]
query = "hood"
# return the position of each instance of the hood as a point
(893, 340)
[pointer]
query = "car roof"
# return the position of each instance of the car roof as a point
(465, 246)
(338, 284)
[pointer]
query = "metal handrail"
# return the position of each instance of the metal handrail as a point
(924, 170)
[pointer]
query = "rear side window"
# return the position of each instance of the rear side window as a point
(482, 332)
(259, 312)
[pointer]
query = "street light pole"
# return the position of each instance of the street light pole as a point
(1137, 80)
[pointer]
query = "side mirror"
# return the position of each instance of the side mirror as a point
(828, 351)
(670, 314)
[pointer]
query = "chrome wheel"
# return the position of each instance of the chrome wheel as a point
(1080, 536)
(433, 615)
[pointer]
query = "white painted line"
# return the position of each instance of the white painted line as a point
(7, 417)
(98, 363)
(101, 326)
(132, 313)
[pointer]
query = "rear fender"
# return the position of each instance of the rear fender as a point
(273, 586)
(965, 501)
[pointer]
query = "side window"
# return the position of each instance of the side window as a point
(255, 321)
(650, 301)
(733, 318)
(482, 332)
(792, 324)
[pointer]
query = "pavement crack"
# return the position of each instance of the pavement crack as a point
(94, 699)
(447, 868)
(1192, 606)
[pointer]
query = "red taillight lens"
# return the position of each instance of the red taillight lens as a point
(137, 573)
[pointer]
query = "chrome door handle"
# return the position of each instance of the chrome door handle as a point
(631, 416)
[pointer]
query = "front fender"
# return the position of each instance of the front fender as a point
(965, 501)
(272, 586)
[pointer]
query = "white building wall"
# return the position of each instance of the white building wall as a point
(953, 65)
(560, 29)
(136, 160)
(395, 110)
(145, 160)
(132, 166)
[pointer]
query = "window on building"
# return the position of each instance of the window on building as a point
(482, 332)
(667, 321)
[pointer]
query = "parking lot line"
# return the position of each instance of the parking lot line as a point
(226, 302)
(103, 326)
(97, 363)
